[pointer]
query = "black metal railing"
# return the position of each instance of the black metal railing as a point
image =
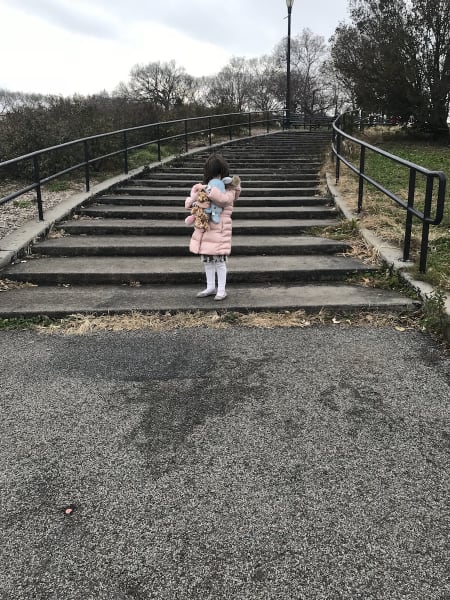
(182, 131)
(433, 199)
(309, 121)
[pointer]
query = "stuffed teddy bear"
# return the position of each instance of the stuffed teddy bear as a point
(203, 209)
(198, 217)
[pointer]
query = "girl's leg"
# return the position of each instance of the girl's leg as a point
(221, 267)
(210, 272)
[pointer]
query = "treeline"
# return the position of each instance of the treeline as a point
(163, 91)
(394, 58)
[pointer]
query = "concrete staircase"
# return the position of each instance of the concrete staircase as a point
(128, 248)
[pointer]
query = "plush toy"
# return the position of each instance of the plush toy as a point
(198, 217)
(215, 211)
(203, 209)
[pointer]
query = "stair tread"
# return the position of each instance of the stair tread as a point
(277, 189)
(250, 200)
(144, 241)
(179, 225)
(186, 179)
(180, 210)
(187, 183)
(57, 301)
(166, 265)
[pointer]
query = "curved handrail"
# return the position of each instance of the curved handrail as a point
(159, 133)
(411, 211)
(232, 120)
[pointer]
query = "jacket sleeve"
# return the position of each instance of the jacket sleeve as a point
(223, 199)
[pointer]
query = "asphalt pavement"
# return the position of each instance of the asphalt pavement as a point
(224, 464)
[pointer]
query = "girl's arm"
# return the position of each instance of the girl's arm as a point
(223, 199)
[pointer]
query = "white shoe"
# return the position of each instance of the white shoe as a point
(220, 296)
(206, 293)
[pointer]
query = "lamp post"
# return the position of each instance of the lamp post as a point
(289, 4)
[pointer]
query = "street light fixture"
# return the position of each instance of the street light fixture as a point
(289, 4)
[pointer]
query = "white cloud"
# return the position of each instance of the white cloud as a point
(85, 18)
(61, 62)
(66, 47)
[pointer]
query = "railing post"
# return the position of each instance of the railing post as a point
(267, 121)
(249, 124)
(125, 151)
(186, 143)
(209, 131)
(37, 180)
(158, 134)
(426, 225)
(338, 154)
(86, 166)
(409, 216)
(362, 165)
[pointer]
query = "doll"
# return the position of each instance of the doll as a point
(203, 209)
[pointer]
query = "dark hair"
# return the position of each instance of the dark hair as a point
(215, 166)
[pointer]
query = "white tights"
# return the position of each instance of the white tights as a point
(211, 268)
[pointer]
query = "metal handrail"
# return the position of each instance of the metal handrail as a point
(424, 216)
(236, 119)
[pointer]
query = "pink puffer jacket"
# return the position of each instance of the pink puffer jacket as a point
(217, 239)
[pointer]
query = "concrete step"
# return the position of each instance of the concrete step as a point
(178, 227)
(196, 174)
(249, 192)
(150, 184)
(164, 270)
(166, 176)
(175, 212)
(131, 200)
(257, 159)
(256, 155)
(179, 245)
(236, 165)
(58, 302)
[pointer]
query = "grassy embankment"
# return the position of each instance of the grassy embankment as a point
(384, 217)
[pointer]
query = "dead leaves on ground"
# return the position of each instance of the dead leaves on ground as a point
(84, 324)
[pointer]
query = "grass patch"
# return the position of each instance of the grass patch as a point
(344, 230)
(59, 185)
(23, 203)
(387, 219)
(385, 279)
(144, 156)
(23, 323)
(434, 318)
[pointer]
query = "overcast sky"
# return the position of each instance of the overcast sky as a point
(86, 46)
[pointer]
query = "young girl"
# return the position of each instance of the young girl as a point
(214, 243)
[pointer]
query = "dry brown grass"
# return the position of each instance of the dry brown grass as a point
(86, 324)
(379, 214)
(8, 284)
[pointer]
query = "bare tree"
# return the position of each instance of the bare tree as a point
(308, 54)
(12, 100)
(264, 84)
(230, 88)
(165, 85)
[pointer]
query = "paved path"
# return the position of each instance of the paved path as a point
(224, 464)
